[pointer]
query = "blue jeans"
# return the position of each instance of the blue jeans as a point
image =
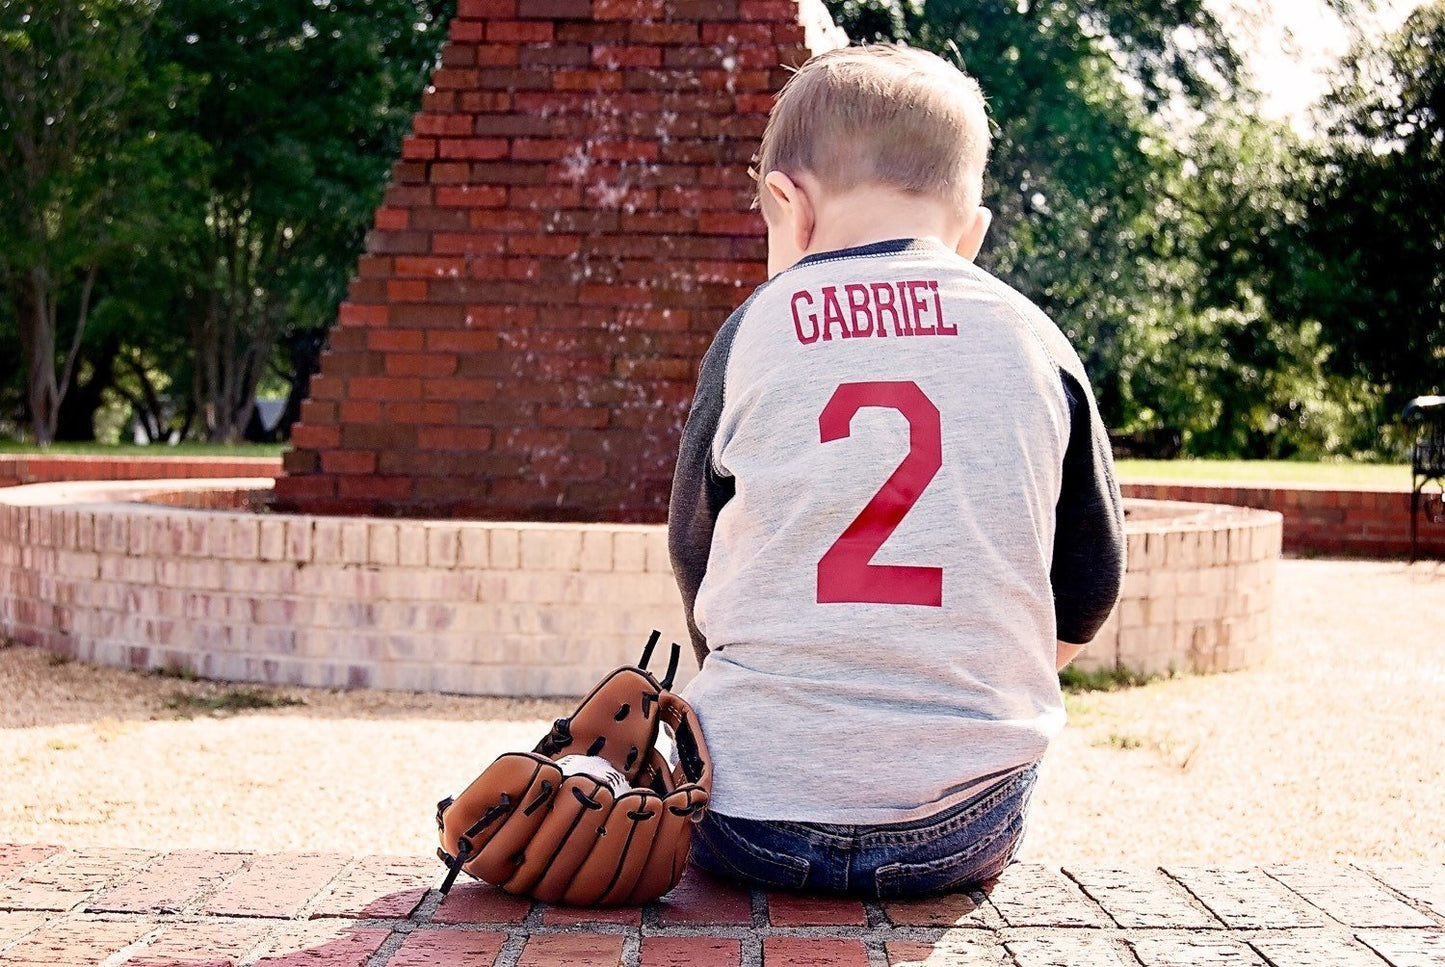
(961, 847)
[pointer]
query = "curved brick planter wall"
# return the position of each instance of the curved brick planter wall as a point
(1199, 593)
(130, 574)
(19, 469)
(510, 609)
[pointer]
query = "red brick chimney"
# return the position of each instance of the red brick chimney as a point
(568, 227)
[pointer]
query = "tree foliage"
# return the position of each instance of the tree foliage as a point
(1229, 363)
(302, 108)
(1376, 280)
(185, 190)
(86, 155)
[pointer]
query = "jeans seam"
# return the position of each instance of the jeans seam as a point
(898, 872)
(722, 859)
(835, 836)
(970, 812)
(758, 854)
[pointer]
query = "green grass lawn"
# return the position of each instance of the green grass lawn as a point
(1343, 474)
(130, 450)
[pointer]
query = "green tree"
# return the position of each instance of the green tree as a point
(302, 107)
(1377, 278)
(85, 158)
(1226, 360)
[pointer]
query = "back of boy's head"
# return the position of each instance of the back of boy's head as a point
(881, 115)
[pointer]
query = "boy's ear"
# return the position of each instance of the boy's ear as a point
(973, 232)
(794, 206)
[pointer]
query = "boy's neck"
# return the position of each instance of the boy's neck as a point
(873, 214)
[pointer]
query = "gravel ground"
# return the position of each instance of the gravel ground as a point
(1333, 750)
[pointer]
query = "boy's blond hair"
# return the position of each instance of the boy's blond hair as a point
(881, 114)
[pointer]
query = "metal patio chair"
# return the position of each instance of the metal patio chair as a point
(1426, 416)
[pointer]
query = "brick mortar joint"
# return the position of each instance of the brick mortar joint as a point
(308, 909)
(1437, 918)
(389, 946)
(1096, 905)
(874, 941)
(532, 925)
(1419, 905)
(140, 944)
(900, 933)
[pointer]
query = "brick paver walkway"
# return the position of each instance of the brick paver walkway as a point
(115, 906)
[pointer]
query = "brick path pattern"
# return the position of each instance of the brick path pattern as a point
(191, 908)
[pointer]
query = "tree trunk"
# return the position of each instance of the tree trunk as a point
(37, 341)
(205, 373)
(233, 338)
(37, 312)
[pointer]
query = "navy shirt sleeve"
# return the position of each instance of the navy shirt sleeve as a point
(699, 490)
(1089, 558)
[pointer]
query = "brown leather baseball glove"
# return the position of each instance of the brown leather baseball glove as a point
(558, 825)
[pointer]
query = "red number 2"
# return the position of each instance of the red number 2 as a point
(844, 572)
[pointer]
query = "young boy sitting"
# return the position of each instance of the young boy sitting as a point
(894, 516)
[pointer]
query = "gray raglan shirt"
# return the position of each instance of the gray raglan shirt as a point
(893, 496)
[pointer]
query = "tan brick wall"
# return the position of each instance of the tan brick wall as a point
(480, 608)
(124, 574)
(1199, 592)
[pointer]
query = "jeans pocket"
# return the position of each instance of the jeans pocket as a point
(982, 859)
(728, 852)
